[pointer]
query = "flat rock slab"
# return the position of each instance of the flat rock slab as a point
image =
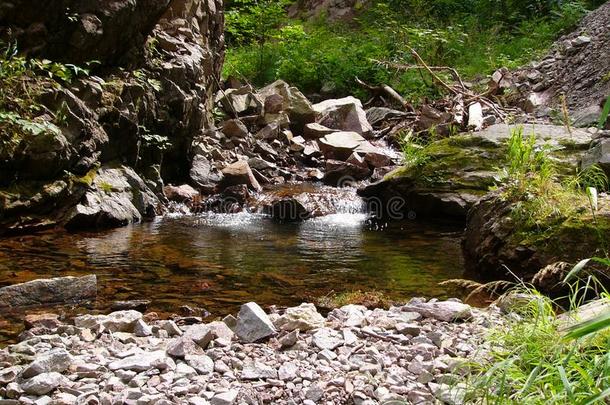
(553, 135)
(49, 291)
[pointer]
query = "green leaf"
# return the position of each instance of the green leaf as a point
(576, 269)
(590, 326)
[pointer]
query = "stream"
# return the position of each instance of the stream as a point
(219, 261)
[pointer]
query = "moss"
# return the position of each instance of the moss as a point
(106, 187)
(87, 179)
(370, 299)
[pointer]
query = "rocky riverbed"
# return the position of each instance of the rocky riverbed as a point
(411, 353)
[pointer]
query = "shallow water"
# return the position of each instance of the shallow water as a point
(218, 261)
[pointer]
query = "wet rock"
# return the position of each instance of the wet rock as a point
(304, 317)
(253, 324)
(239, 173)
(49, 291)
(43, 383)
(202, 174)
(117, 197)
(120, 321)
(340, 174)
(344, 114)
(57, 360)
(492, 242)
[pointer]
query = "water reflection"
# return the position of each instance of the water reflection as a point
(218, 261)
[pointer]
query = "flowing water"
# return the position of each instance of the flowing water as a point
(218, 261)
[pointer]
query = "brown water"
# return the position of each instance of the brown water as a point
(218, 261)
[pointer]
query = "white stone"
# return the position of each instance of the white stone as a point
(253, 323)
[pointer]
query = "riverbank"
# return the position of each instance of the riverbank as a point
(408, 353)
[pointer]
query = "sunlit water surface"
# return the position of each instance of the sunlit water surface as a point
(218, 261)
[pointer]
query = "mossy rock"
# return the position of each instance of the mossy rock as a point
(461, 169)
(497, 246)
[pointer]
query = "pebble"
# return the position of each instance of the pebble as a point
(407, 351)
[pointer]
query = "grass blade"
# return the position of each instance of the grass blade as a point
(566, 383)
(595, 398)
(576, 269)
(605, 113)
(593, 325)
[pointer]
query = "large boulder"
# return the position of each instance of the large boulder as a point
(117, 196)
(159, 65)
(454, 173)
(344, 114)
(497, 245)
(102, 31)
(49, 291)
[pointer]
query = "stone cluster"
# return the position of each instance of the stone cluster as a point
(413, 353)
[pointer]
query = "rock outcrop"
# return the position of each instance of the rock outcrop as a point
(149, 95)
(495, 245)
(577, 66)
(455, 172)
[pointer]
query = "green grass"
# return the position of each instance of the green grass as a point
(542, 198)
(534, 361)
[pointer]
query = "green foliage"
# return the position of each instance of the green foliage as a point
(414, 151)
(474, 36)
(534, 362)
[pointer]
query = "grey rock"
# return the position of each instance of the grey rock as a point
(54, 360)
(253, 323)
(117, 197)
(202, 363)
(43, 383)
(327, 338)
(141, 329)
(119, 321)
(225, 398)
(49, 291)
(139, 362)
(345, 114)
(447, 311)
(257, 370)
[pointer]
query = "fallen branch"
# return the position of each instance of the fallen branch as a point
(384, 89)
